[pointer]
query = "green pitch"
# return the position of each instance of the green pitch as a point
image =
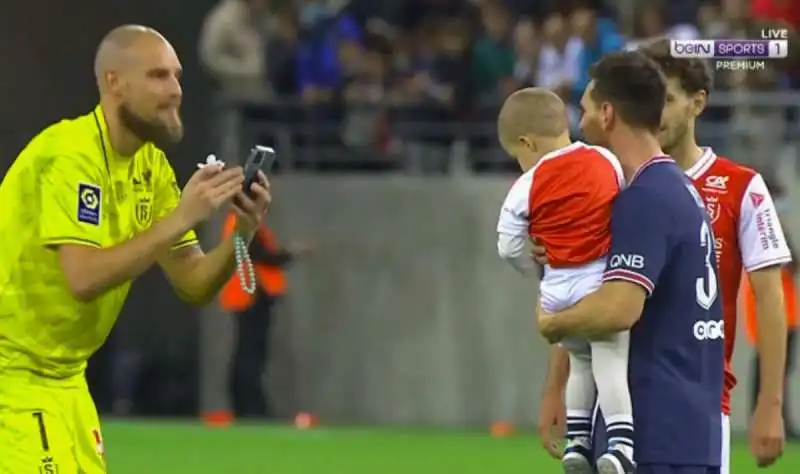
(167, 448)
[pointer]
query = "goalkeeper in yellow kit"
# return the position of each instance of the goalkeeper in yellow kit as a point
(89, 205)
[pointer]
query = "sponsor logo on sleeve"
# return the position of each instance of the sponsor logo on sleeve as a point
(757, 199)
(89, 203)
(632, 261)
(765, 226)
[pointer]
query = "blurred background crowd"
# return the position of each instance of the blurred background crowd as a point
(396, 82)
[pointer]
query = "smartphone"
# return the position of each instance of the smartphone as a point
(261, 158)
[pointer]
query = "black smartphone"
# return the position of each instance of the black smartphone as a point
(261, 158)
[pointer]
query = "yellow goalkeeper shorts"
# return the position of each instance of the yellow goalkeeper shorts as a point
(48, 427)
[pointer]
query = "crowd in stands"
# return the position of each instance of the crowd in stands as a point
(368, 74)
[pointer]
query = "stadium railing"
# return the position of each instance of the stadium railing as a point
(754, 127)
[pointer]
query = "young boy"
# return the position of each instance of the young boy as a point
(563, 200)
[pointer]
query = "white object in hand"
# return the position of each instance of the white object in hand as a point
(212, 161)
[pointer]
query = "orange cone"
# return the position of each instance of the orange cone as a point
(501, 429)
(218, 419)
(305, 421)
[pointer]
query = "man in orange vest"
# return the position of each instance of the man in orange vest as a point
(748, 306)
(254, 314)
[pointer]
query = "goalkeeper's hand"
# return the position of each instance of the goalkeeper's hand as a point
(250, 210)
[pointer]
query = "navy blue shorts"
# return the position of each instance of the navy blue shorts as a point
(668, 469)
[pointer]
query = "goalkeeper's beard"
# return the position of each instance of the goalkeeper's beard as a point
(154, 132)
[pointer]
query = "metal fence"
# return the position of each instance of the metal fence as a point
(406, 315)
(752, 126)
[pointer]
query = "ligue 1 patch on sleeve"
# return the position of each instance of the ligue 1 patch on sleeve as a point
(89, 203)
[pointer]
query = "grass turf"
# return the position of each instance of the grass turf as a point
(167, 448)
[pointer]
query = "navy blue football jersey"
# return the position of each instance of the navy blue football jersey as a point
(662, 240)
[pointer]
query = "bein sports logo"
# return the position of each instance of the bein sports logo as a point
(709, 330)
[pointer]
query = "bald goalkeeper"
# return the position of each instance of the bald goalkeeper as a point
(563, 200)
(90, 204)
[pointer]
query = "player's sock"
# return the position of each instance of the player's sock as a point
(610, 369)
(579, 427)
(620, 434)
(580, 396)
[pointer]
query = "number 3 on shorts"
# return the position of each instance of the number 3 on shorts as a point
(42, 430)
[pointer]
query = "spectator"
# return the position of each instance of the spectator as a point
(757, 131)
(233, 46)
(403, 57)
(440, 89)
(535, 11)
(328, 51)
(600, 36)
(415, 14)
(783, 14)
(366, 94)
(281, 49)
(651, 24)
(560, 57)
(710, 21)
(327, 38)
(492, 54)
(560, 62)
(442, 78)
(526, 51)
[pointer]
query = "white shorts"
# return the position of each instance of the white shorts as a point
(725, 461)
(563, 287)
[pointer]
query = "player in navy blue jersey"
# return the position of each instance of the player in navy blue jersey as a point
(660, 282)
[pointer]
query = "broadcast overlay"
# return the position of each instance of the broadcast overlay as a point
(736, 54)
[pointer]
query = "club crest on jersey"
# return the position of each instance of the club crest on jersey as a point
(144, 211)
(716, 183)
(89, 203)
(712, 208)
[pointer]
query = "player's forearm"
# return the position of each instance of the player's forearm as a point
(772, 332)
(614, 307)
(91, 272)
(209, 274)
(558, 370)
(590, 318)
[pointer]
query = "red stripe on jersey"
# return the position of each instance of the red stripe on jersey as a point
(630, 276)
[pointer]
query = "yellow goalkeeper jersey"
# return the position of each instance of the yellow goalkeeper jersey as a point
(68, 186)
